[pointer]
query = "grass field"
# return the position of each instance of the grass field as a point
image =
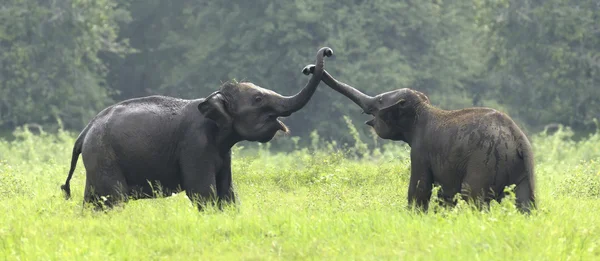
(312, 204)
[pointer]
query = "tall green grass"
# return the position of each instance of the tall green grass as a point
(313, 203)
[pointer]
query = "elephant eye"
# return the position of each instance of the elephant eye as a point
(257, 99)
(402, 102)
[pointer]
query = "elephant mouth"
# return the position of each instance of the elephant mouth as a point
(371, 122)
(274, 121)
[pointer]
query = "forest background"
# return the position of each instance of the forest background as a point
(62, 61)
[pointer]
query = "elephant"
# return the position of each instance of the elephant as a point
(175, 145)
(476, 152)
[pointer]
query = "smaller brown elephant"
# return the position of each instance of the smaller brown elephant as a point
(474, 151)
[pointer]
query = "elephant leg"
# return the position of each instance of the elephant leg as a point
(476, 195)
(199, 180)
(224, 182)
(525, 197)
(477, 185)
(420, 185)
(200, 189)
(105, 187)
(523, 178)
(447, 193)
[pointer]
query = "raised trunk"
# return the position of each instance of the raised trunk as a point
(364, 101)
(287, 105)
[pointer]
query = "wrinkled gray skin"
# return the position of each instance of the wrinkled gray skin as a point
(473, 151)
(175, 144)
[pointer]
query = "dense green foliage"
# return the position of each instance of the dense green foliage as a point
(313, 203)
(547, 61)
(536, 60)
(49, 59)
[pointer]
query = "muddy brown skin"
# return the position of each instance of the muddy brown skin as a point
(139, 145)
(473, 151)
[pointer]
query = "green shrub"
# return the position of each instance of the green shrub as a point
(581, 181)
(11, 183)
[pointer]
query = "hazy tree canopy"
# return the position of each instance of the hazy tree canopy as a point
(537, 60)
(547, 61)
(49, 59)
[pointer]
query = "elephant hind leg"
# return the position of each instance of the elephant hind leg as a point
(106, 189)
(477, 187)
(479, 194)
(525, 197)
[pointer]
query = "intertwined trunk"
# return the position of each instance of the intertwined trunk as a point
(365, 102)
(286, 105)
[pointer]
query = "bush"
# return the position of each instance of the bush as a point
(581, 181)
(11, 183)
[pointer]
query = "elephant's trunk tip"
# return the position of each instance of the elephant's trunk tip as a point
(308, 69)
(328, 52)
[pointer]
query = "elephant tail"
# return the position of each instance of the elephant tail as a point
(77, 148)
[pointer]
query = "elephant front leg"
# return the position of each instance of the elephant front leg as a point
(199, 182)
(420, 185)
(224, 181)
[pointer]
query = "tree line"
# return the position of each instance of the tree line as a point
(65, 60)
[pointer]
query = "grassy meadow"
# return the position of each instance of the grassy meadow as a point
(314, 203)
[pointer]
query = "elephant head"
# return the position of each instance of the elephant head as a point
(251, 113)
(395, 112)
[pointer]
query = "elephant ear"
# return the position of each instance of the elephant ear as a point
(393, 114)
(214, 108)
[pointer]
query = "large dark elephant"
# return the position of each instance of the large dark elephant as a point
(473, 151)
(134, 147)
